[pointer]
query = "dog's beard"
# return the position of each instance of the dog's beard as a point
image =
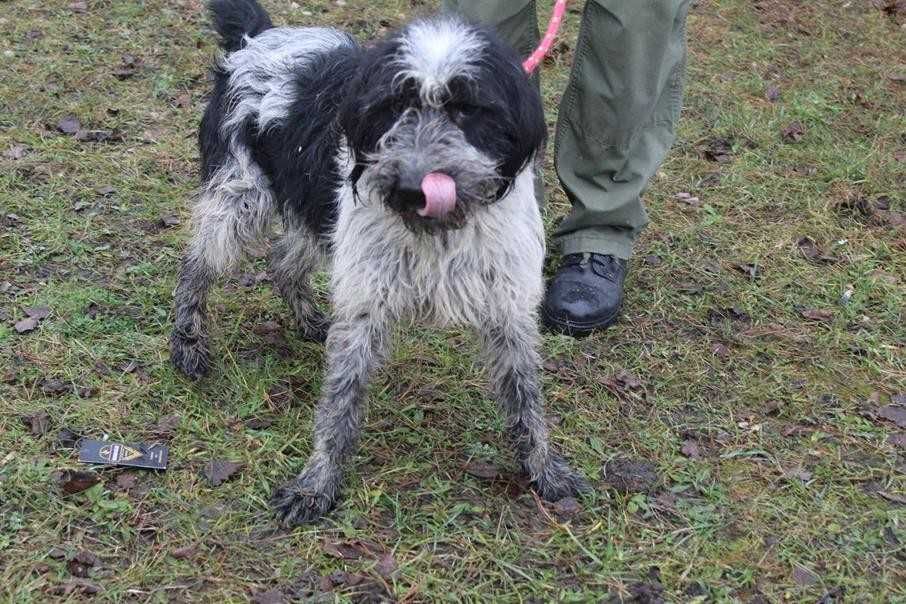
(426, 142)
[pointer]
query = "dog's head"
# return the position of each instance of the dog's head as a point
(439, 120)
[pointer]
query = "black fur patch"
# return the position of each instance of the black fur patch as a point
(299, 155)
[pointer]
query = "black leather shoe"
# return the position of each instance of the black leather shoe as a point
(585, 295)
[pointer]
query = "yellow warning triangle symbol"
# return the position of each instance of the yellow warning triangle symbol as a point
(128, 453)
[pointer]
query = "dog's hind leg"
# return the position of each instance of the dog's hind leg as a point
(294, 257)
(355, 348)
(231, 218)
(509, 344)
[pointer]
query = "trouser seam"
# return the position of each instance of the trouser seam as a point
(569, 97)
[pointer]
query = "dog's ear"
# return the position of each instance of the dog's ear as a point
(518, 130)
(366, 112)
(527, 118)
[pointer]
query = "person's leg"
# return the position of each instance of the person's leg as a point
(617, 121)
(515, 20)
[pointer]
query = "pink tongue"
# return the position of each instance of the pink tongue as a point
(440, 195)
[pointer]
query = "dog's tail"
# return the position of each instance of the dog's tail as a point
(235, 19)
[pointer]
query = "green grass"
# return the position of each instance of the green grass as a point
(794, 469)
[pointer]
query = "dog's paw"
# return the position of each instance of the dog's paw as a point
(315, 328)
(295, 504)
(558, 480)
(190, 355)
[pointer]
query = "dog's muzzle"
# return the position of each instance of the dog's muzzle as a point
(431, 195)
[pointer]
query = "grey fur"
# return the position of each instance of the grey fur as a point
(261, 73)
(482, 268)
(294, 257)
(427, 141)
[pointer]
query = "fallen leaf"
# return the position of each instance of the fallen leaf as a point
(893, 497)
(38, 312)
(720, 350)
(833, 596)
(893, 413)
(566, 507)
(688, 199)
(126, 481)
(15, 152)
(891, 8)
(719, 150)
(804, 577)
(897, 439)
(250, 280)
(772, 93)
(181, 553)
(624, 384)
(630, 475)
(259, 423)
(811, 252)
(219, 471)
(483, 470)
(66, 439)
(691, 449)
(798, 473)
(690, 288)
(166, 426)
(751, 270)
(55, 386)
(129, 65)
(274, 596)
(75, 586)
(38, 423)
(716, 316)
(793, 133)
(647, 592)
(814, 314)
(82, 563)
(353, 550)
(386, 566)
(26, 325)
(99, 136)
(69, 125)
(76, 481)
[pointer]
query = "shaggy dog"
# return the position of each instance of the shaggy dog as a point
(409, 165)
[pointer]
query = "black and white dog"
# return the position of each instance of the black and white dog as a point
(409, 164)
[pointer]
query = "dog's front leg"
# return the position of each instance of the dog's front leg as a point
(355, 348)
(510, 349)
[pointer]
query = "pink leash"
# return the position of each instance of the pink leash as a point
(531, 63)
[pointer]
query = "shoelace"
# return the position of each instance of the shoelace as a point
(602, 265)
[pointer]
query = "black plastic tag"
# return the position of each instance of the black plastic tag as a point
(112, 453)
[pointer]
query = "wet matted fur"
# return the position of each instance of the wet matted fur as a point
(311, 131)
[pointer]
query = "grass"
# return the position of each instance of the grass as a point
(777, 480)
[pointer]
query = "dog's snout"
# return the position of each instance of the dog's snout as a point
(409, 194)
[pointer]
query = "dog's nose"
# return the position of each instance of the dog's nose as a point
(409, 194)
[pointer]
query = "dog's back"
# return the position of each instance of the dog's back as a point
(266, 75)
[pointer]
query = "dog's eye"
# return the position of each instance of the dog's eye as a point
(460, 112)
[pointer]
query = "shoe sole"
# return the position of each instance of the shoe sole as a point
(578, 329)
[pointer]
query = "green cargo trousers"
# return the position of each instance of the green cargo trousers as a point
(618, 115)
